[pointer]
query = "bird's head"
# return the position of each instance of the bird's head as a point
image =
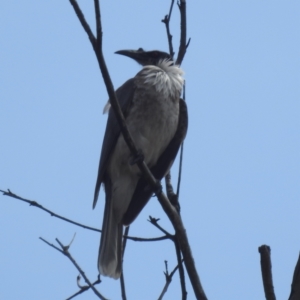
(145, 58)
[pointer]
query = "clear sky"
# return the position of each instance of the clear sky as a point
(241, 173)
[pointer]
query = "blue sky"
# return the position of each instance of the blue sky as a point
(241, 174)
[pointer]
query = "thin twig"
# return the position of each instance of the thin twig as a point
(183, 45)
(266, 271)
(53, 214)
(83, 22)
(51, 245)
(168, 280)
(64, 250)
(166, 20)
(137, 239)
(122, 280)
(154, 222)
(83, 288)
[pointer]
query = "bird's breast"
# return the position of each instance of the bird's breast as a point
(152, 121)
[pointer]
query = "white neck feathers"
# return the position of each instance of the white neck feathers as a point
(166, 77)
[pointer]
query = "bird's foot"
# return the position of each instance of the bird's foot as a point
(158, 188)
(139, 157)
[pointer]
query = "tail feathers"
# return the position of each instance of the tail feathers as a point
(110, 251)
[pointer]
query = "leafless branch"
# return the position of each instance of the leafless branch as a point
(166, 20)
(83, 22)
(122, 279)
(154, 222)
(181, 270)
(168, 280)
(65, 251)
(170, 192)
(155, 185)
(295, 288)
(83, 288)
(53, 214)
(266, 271)
(183, 45)
(137, 239)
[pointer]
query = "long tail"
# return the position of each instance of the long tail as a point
(110, 250)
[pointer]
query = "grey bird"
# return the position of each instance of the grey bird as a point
(157, 119)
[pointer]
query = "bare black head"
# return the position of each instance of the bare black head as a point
(145, 57)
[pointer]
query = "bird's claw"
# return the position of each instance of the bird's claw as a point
(158, 189)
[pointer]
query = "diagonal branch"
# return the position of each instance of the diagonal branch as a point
(65, 251)
(83, 288)
(83, 22)
(168, 280)
(53, 214)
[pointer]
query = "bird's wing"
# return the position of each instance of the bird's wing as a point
(143, 191)
(124, 94)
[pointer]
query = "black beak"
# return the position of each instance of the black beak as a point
(138, 55)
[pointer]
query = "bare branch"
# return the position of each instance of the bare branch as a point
(166, 20)
(170, 192)
(83, 288)
(64, 250)
(181, 270)
(137, 239)
(83, 22)
(122, 279)
(183, 45)
(53, 214)
(154, 222)
(266, 271)
(295, 289)
(168, 280)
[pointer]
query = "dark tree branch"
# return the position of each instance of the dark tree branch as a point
(83, 22)
(53, 214)
(170, 192)
(98, 22)
(154, 222)
(295, 288)
(181, 270)
(83, 288)
(266, 271)
(168, 280)
(122, 280)
(137, 239)
(166, 20)
(155, 185)
(183, 46)
(65, 251)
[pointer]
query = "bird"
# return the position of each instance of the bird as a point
(157, 120)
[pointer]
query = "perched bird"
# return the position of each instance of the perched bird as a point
(157, 119)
